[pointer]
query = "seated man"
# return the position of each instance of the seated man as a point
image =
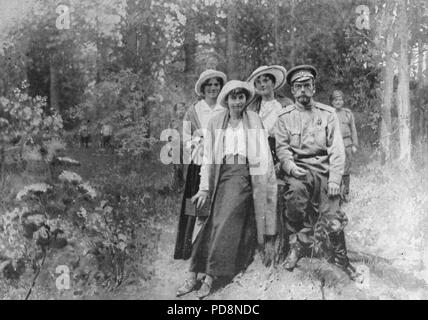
(310, 148)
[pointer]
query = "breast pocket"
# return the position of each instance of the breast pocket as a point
(320, 136)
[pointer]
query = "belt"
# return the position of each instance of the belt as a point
(235, 159)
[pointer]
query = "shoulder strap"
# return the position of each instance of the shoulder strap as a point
(287, 109)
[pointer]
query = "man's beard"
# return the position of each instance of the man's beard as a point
(304, 100)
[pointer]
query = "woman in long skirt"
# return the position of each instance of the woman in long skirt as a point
(236, 173)
(195, 121)
(268, 104)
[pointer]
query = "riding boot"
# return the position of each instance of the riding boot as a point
(340, 255)
(346, 182)
(293, 256)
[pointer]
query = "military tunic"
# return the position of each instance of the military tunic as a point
(349, 135)
(311, 139)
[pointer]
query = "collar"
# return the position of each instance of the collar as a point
(204, 105)
(300, 107)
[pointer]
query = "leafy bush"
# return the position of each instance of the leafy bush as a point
(120, 100)
(28, 129)
(101, 238)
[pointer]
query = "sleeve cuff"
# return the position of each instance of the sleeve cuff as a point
(335, 177)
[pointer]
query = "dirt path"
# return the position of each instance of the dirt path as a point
(311, 280)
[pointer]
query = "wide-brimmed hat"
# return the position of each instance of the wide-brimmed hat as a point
(204, 76)
(301, 73)
(278, 72)
(232, 85)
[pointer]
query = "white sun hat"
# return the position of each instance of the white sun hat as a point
(232, 85)
(208, 74)
(278, 72)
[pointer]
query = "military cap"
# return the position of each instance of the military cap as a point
(336, 94)
(301, 73)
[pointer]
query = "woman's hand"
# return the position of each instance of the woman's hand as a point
(200, 198)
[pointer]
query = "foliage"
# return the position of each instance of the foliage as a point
(120, 100)
(29, 126)
(101, 235)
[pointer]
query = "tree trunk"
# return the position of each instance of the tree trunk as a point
(53, 86)
(418, 110)
(131, 56)
(426, 69)
(137, 36)
(189, 44)
(232, 64)
(189, 48)
(292, 58)
(385, 30)
(144, 39)
(276, 54)
(403, 99)
(388, 91)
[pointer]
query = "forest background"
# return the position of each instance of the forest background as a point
(107, 221)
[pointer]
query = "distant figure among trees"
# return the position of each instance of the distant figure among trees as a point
(84, 134)
(349, 135)
(106, 135)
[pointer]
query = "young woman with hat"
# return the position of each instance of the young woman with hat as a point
(267, 80)
(195, 121)
(238, 175)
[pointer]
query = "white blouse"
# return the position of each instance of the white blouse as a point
(234, 140)
(269, 112)
(205, 112)
(234, 143)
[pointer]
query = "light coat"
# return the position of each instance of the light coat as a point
(263, 179)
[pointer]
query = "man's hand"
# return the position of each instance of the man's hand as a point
(278, 168)
(200, 198)
(333, 189)
(354, 149)
(298, 172)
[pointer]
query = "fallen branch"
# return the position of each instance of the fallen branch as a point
(358, 256)
(36, 276)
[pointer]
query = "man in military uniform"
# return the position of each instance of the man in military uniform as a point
(311, 151)
(349, 135)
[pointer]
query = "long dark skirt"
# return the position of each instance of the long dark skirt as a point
(226, 244)
(187, 219)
